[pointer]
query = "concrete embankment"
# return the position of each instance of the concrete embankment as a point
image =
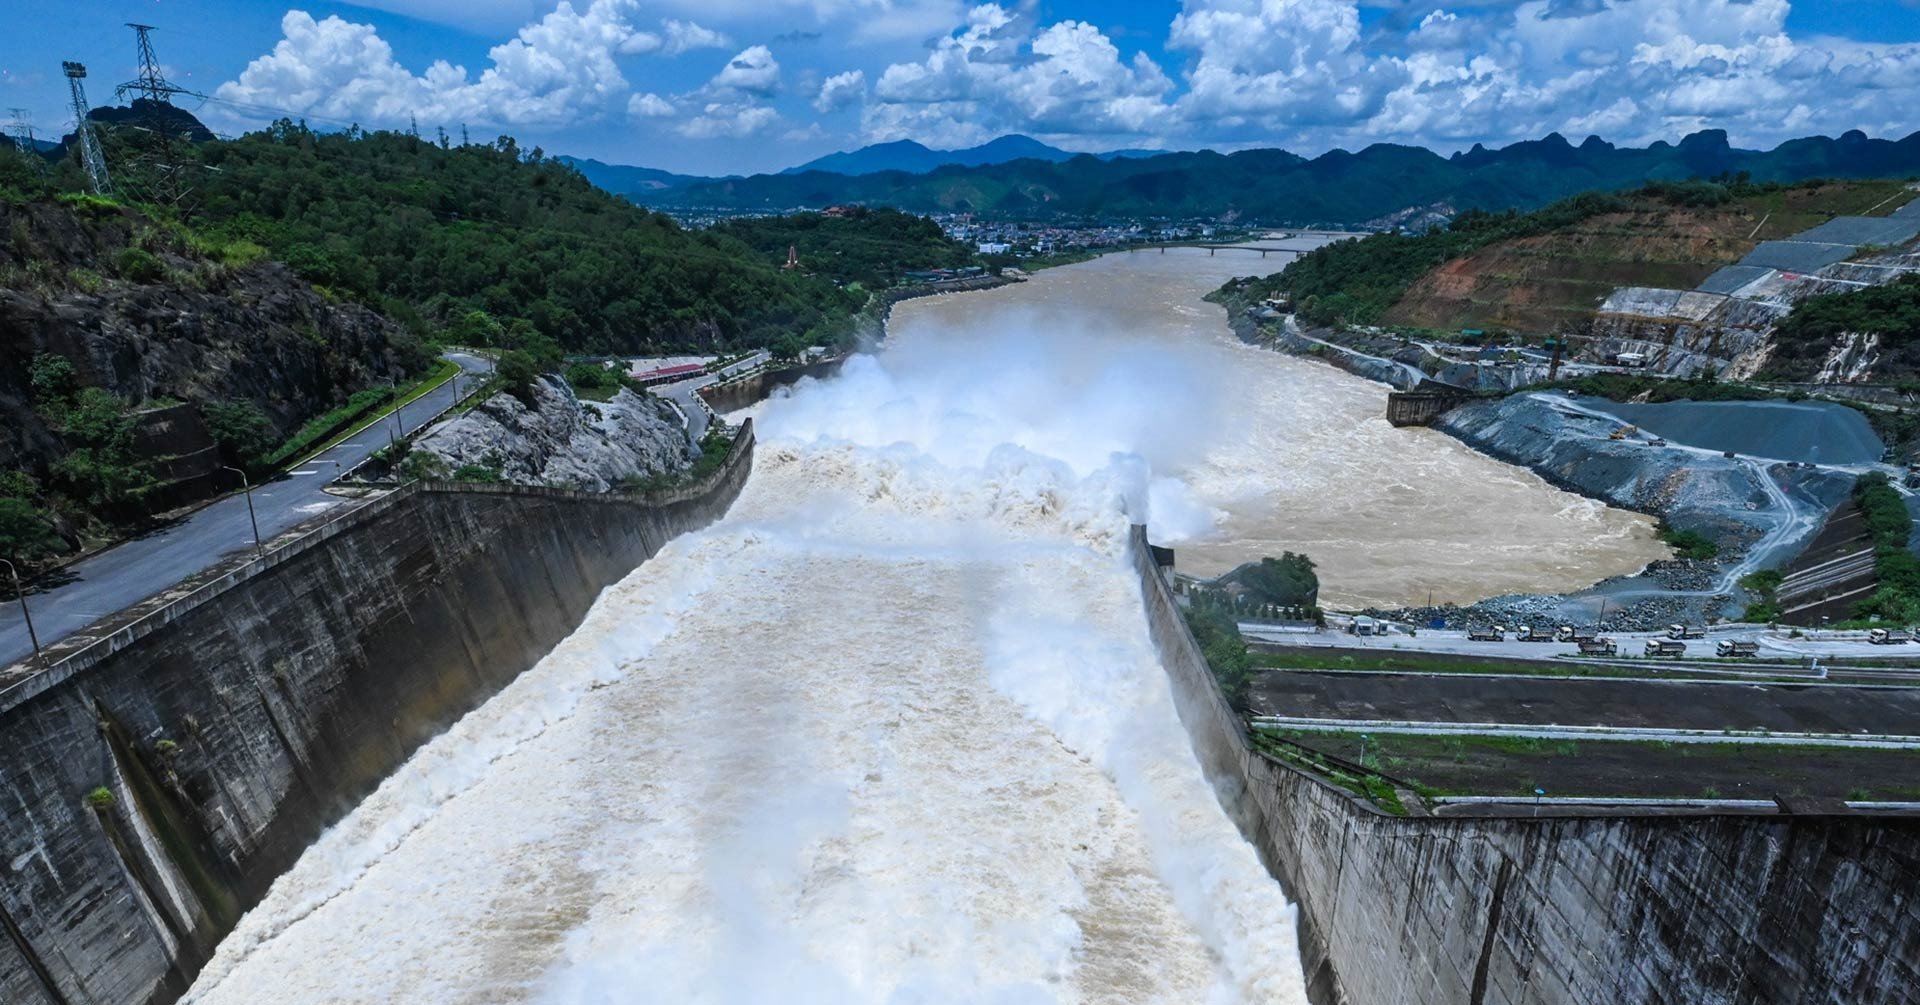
(1590, 908)
(871, 328)
(737, 394)
(159, 780)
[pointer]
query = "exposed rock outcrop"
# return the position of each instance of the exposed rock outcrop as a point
(553, 438)
(141, 313)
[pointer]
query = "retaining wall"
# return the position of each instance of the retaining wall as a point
(1708, 909)
(737, 394)
(222, 732)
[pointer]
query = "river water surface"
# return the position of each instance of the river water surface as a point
(1294, 455)
(892, 731)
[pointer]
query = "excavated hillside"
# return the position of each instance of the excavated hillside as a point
(154, 315)
(1555, 281)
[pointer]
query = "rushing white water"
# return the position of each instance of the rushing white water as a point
(892, 731)
(1288, 454)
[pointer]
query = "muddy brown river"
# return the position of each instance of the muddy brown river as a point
(1297, 455)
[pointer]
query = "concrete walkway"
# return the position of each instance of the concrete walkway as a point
(137, 569)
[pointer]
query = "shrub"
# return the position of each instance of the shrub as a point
(243, 432)
(139, 266)
(100, 798)
(1688, 543)
(590, 377)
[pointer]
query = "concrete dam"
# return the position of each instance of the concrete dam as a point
(898, 706)
(156, 783)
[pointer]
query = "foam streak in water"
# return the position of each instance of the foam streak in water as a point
(893, 731)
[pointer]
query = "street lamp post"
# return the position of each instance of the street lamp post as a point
(20, 592)
(247, 484)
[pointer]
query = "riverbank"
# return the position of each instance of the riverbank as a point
(1755, 512)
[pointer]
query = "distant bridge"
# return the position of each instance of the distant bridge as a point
(1263, 249)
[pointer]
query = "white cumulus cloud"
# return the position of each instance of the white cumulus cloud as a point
(840, 90)
(686, 36)
(557, 70)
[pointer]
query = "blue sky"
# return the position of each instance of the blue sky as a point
(736, 86)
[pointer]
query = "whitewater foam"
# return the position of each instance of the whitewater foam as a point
(892, 731)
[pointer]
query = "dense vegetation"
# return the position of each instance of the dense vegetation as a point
(1218, 632)
(870, 247)
(1287, 581)
(1276, 187)
(1357, 282)
(1890, 313)
(1354, 282)
(431, 232)
(1897, 598)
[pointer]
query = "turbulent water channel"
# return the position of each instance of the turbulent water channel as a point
(893, 730)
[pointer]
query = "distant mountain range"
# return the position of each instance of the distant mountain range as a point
(913, 158)
(1274, 186)
(633, 182)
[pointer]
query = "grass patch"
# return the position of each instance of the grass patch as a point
(1515, 766)
(365, 407)
(1687, 543)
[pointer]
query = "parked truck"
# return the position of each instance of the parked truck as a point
(1598, 647)
(1666, 647)
(1889, 636)
(1498, 633)
(1528, 633)
(1570, 633)
(1685, 632)
(1733, 647)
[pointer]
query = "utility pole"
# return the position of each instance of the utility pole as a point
(90, 156)
(152, 87)
(258, 548)
(21, 592)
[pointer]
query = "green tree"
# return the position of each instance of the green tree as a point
(99, 469)
(789, 346)
(244, 433)
(52, 379)
(517, 371)
(589, 376)
(1289, 581)
(26, 530)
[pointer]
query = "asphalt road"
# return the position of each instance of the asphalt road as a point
(131, 572)
(696, 410)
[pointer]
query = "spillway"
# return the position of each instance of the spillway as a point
(892, 731)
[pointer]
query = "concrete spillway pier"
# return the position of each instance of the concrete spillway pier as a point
(156, 783)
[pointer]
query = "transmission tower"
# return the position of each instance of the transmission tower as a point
(151, 83)
(90, 156)
(169, 183)
(21, 132)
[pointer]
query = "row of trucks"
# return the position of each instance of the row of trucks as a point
(1528, 633)
(1592, 644)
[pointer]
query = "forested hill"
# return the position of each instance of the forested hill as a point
(870, 247)
(1277, 187)
(430, 233)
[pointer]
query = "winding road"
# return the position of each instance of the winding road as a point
(128, 573)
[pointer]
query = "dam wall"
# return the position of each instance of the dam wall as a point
(1592, 909)
(155, 783)
(737, 394)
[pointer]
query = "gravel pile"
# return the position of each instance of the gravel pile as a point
(1683, 573)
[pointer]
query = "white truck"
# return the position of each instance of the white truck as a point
(1889, 636)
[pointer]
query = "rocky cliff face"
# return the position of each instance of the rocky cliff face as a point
(553, 438)
(142, 312)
